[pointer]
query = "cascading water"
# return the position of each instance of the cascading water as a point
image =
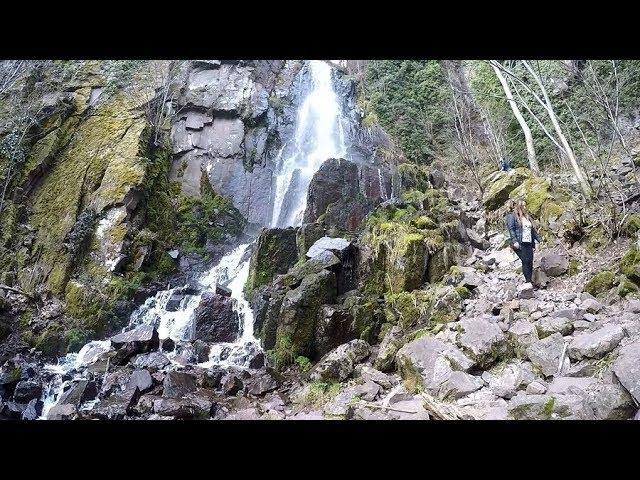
(319, 135)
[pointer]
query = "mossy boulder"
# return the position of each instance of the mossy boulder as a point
(298, 317)
(632, 225)
(275, 251)
(630, 264)
(500, 186)
(627, 287)
(535, 191)
(600, 283)
(408, 309)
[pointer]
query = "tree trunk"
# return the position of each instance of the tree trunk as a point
(531, 152)
(586, 189)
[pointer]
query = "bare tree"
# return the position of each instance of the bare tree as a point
(542, 98)
(531, 151)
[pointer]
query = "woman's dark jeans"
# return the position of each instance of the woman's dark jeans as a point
(525, 253)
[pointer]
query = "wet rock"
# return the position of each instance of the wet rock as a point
(334, 327)
(152, 361)
(553, 264)
(224, 291)
(231, 384)
(257, 361)
(437, 179)
(141, 339)
(482, 340)
(62, 412)
(116, 406)
(33, 410)
(27, 390)
(262, 383)
(168, 345)
(338, 364)
(597, 343)
(177, 408)
(627, 369)
(215, 319)
(428, 363)
(545, 354)
(275, 252)
(178, 384)
(80, 392)
(140, 379)
(201, 350)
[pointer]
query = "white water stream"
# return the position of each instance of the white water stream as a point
(318, 136)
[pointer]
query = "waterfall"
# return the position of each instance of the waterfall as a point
(319, 135)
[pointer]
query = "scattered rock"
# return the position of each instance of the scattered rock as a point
(553, 264)
(627, 369)
(545, 354)
(338, 364)
(597, 343)
(482, 340)
(178, 384)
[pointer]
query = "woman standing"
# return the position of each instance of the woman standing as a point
(523, 236)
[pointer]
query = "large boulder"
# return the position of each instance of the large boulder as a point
(337, 365)
(80, 392)
(296, 328)
(429, 363)
(553, 264)
(274, 252)
(545, 353)
(143, 338)
(215, 320)
(501, 184)
(334, 327)
(482, 340)
(627, 369)
(596, 344)
(340, 194)
(178, 384)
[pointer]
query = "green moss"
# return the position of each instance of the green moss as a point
(76, 338)
(424, 222)
(497, 194)
(303, 363)
(463, 292)
(535, 192)
(597, 239)
(547, 409)
(630, 264)
(600, 283)
(52, 341)
(632, 225)
(574, 267)
(627, 287)
(407, 309)
(318, 394)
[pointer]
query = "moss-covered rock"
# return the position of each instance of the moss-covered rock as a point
(627, 287)
(630, 264)
(500, 186)
(600, 283)
(632, 225)
(274, 252)
(408, 309)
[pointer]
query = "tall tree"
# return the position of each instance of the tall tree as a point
(531, 151)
